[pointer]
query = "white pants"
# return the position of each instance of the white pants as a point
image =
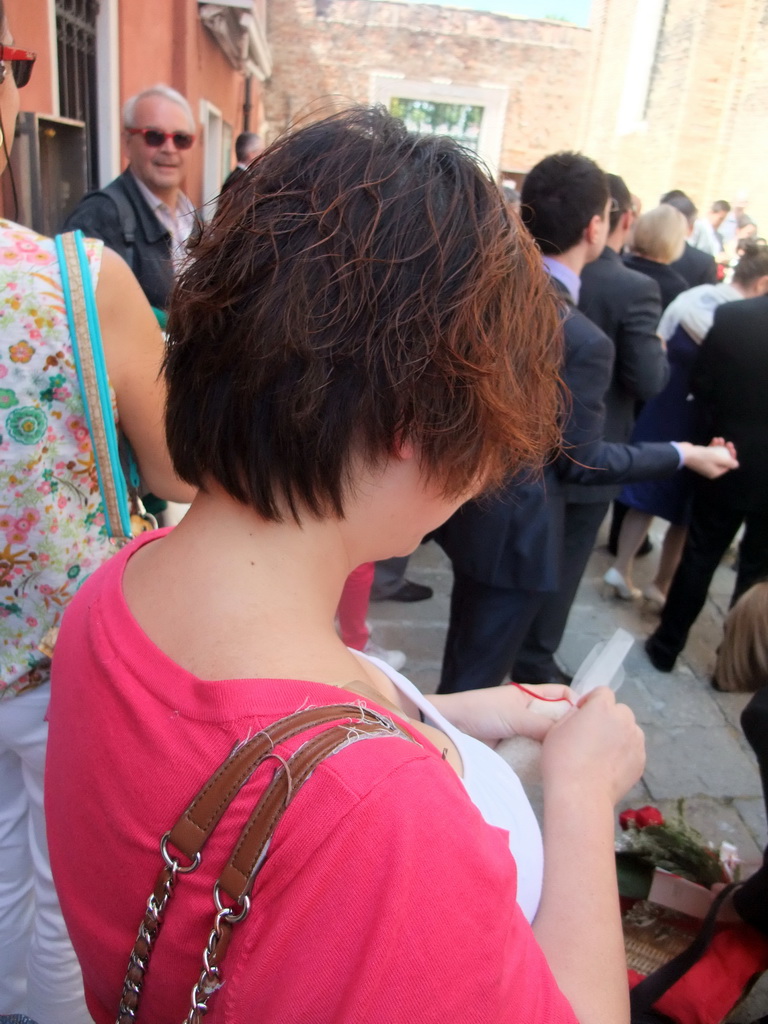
(39, 973)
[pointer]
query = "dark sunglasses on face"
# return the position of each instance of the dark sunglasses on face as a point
(21, 61)
(154, 138)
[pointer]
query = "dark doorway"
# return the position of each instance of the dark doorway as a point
(76, 45)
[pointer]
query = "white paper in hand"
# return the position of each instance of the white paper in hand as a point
(603, 665)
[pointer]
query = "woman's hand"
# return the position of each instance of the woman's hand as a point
(498, 712)
(590, 758)
(597, 748)
(711, 461)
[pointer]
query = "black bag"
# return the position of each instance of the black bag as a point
(647, 992)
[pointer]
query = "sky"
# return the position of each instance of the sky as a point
(576, 11)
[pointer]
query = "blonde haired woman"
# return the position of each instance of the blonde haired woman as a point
(658, 240)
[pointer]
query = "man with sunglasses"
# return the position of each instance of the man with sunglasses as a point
(143, 214)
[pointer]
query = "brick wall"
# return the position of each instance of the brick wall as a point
(327, 55)
(705, 124)
(702, 129)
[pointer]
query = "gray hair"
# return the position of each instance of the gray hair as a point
(129, 108)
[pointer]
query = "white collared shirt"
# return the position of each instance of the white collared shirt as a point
(179, 222)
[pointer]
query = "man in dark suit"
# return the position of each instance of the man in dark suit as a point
(695, 266)
(626, 305)
(507, 550)
(248, 145)
(730, 384)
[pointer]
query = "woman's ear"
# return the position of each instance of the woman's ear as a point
(404, 448)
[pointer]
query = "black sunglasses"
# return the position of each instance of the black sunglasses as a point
(154, 138)
(21, 61)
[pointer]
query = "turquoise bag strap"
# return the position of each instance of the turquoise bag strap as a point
(84, 330)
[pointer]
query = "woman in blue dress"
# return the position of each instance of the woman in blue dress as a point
(671, 414)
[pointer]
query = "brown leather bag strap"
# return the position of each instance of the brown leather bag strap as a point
(240, 872)
(191, 831)
(238, 876)
(201, 817)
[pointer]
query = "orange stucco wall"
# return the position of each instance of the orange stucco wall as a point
(28, 21)
(158, 41)
(181, 53)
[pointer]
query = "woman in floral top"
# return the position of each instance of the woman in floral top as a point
(52, 537)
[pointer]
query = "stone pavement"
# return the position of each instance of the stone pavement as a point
(696, 751)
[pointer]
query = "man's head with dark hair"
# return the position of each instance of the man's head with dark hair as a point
(621, 200)
(366, 290)
(560, 197)
(751, 271)
(718, 212)
(248, 145)
(681, 202)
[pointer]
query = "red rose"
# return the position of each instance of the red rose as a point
(649, 816)
(640, 817)
(628, 818)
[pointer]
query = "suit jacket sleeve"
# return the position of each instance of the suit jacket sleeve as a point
(642, 367)
(586, 458)
(703, 378)
(97, 216)
(707, 374)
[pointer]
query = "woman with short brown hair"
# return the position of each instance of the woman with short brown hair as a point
(363, 340)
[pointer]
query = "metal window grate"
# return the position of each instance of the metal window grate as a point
(76, 45)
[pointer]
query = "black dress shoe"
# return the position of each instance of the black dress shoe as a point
(661, 660)
(408, 591)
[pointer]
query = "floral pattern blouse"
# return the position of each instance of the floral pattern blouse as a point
(52, 528)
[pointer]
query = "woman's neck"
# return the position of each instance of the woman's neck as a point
(227, 595)
(310, 557)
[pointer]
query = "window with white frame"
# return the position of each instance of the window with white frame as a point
(461, 121)
(227, 135)
(213, 156)
(472, 114)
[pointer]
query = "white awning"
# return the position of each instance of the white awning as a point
(241, 35)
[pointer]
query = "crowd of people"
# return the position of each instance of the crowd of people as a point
(366, 345)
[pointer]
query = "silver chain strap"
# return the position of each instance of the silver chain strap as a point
(148, 932)
(210, 980)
